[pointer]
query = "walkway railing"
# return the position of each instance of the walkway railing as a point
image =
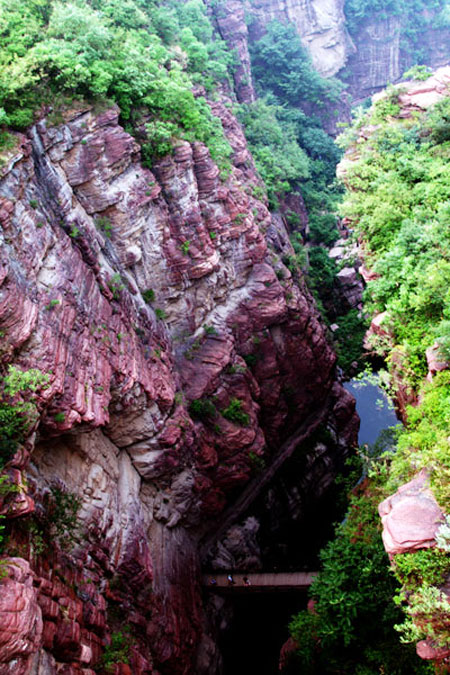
(259, 581)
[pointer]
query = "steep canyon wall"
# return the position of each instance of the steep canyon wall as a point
(86, 229)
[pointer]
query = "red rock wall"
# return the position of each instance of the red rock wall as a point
(114, 426)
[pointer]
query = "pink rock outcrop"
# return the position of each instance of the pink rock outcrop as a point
(426, 651)
(410, 517)
(435, 362)
(422, 95)
(20, 618)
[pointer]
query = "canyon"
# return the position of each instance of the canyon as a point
(188, 370)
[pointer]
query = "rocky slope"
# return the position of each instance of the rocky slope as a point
(86, 230)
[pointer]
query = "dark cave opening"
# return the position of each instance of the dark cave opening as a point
(258, 631)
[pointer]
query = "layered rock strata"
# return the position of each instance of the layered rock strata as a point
(139, 292)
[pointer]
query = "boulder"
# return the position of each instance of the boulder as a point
(410, 517)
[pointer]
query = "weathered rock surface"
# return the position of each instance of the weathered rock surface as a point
(85, 230)
(239, 549)
(410, 517)
(351, 286)
(319, 23)
(232, 26)
(426, 651)
(382, 56)
(375, 56)
(20, 618)
(376, 60)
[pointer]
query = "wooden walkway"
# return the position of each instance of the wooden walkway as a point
(262, 582)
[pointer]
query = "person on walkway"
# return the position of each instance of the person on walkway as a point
(247, 581)
(230, 580)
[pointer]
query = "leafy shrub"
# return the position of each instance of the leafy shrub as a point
(234, 413)
(148, 295)
(52, 304)
(426, 567)
(352, 628)
(18, 411)
(209, 330)
(349, 339)
(60, 521)
(417, 73)
(281, 65)
(443, 535)
(116, 286)
(202, 409)
(117, 651)
(104, 224)
(185, 247)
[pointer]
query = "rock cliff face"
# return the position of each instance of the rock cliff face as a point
(320, 25)
(139, 292)
(380, 57)
(376, 55)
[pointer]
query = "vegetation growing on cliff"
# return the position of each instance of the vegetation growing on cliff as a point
(128, 53)
(397, 199)
(290, 88)
(399, 191)
(17, 410)
(350, 627)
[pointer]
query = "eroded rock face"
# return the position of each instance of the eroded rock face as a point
(376, 60)
(232, 26)
(372, 58)
(20, 618)
(86, 230)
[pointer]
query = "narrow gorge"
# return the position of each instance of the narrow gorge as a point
(175, 336)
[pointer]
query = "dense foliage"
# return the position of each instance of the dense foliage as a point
(398, 199)
(350, 628)
(281, 65)
(17, 410)
(282, 125)
(119, 51)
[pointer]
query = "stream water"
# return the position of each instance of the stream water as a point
(373, 407)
